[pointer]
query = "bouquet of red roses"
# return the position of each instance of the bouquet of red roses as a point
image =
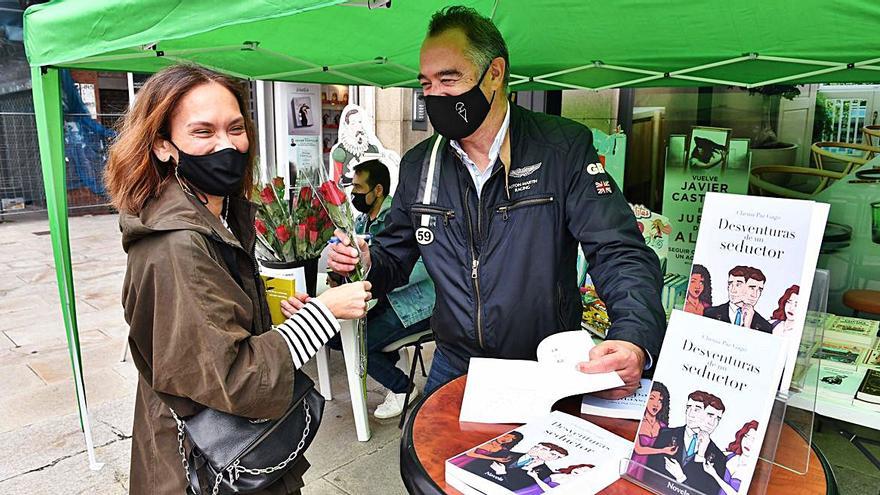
(341, 212)
(290, 232)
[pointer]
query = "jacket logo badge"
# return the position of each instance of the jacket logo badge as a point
(603, 187)
(424, 236)
(595, 168)
(521, 172)
(462, 111)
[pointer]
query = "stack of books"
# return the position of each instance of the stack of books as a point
(849, 342)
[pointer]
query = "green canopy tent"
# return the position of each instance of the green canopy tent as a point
(556, 44)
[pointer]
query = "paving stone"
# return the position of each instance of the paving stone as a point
(380, 468)
(18, 376)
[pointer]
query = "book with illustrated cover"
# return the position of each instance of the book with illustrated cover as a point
(868, 393)
(754, 264)
(851, 329)
(629, 407)
(558, 453)
(841, 353)
(708, 409)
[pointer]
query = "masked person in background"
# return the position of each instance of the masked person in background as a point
(180, 173)
(404, 311)
(496, 205)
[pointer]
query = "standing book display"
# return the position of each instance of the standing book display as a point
(710, 410)
(776, 242)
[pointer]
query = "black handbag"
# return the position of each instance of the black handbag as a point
(243, 455)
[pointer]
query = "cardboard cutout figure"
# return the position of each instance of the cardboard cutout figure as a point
(358, 144)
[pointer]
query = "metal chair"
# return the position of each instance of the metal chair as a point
(416, 341)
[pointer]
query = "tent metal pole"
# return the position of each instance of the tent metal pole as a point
(771, 58)
(212, 67)
(797, 76)
(47, 109)
(318, 68)
(563, 85)
(712, 66)
(401, 67)
(709, 80)
(568, 71)
(155, 53)
(633, 81)
(354, 78)
(630, 69)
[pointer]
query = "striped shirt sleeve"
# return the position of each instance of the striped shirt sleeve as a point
(307, 331)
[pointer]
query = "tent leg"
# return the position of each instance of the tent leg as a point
(47, 108)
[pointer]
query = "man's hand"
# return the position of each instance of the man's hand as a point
(747, 315)
(626, 358)
(294, 304)
(343, 257)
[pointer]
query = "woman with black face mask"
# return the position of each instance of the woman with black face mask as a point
(180, 173)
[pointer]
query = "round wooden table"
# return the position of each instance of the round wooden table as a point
(434, 434)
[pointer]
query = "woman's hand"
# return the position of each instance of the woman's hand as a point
(294, 304)
(348, 301)
(670, 450)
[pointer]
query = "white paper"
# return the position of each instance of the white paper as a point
(629, 407)
(518, 391)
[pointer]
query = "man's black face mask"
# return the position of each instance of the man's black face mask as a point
(457, 117)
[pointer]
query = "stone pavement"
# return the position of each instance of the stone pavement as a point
(43, 450)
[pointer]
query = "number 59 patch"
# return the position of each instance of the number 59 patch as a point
(424, 236)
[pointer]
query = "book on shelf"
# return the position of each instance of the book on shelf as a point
(872, 358)
(754, 263)
(834, 382)
(710, 403)
(556, 453)
(868, 393)
(518, 390)
(629, 407)
(851, 329)
(841, 354)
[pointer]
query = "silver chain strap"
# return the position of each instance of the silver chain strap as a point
(180, 436)
(235, 470)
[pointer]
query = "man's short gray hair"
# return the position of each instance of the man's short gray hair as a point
(486, 42)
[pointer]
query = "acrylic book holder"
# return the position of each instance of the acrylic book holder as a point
(793, 456)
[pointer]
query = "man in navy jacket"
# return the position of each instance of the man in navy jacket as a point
(496, 205)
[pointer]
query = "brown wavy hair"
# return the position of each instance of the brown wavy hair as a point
(133, 174)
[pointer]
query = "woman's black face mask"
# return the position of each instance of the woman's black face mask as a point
(457, 117)
(219, 174)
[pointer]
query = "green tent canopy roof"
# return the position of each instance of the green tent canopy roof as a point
(553, 44)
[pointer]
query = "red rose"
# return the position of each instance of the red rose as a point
(261, 227)
(332, 194)
(305, 193)
(302, 231)
(312, 223)
(316, 202)
(267, 195)
(282, 233)
(313, 237)
(278, 182)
